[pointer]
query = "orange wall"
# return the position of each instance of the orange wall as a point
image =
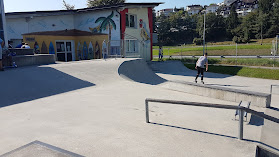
(47, 39)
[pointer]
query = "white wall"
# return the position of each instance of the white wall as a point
(18, 26)
(81, 21)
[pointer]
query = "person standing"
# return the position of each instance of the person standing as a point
(160, 53)
(200, 67)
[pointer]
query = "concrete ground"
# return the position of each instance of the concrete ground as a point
(96, 108)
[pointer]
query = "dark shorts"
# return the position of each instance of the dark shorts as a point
(200, 70)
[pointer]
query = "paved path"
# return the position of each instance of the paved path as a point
(87, 108)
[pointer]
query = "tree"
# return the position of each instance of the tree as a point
(107, 23)
(96, 3)
(232, 21)
(265, 5)
(274, 20)
(68, 6)
(215, 27)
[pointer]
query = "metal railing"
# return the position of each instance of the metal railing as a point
(240, 108)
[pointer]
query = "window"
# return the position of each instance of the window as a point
(131, 46)
(130, 20)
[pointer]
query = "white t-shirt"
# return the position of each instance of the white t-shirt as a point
(201, 62)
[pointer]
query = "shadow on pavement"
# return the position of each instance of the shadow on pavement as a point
(178, 68)
(274, 108)
(255, 120)
(138, 71)
(30, 83)
(216, 134)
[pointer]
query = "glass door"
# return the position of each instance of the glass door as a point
(65, 51)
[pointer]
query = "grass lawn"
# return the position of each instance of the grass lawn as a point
(240, 61)
(243, 49)
(242, 71)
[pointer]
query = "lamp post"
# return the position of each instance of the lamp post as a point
(204, 12)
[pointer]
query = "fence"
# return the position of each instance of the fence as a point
(128, 48)
(240, 108)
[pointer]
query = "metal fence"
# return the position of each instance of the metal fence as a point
(127, 48)
(220, 106)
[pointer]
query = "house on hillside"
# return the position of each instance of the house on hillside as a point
(165, 12)
(193, 9)
(243, 7)
(212, 8)
(124, 30)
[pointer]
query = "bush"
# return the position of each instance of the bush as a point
(198, 41)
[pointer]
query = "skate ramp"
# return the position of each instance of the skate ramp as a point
(138, 71)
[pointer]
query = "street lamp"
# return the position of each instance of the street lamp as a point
(204, 13)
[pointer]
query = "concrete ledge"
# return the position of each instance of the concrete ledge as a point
(20, 52)
(234, 95)
(27, 60)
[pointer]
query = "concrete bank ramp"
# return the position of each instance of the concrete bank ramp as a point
(137, 70)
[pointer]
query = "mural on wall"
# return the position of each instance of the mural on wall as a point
(97, 51)
(86, 22)
(44, 48)
(79, 50)
(90, 51)
(85, 51)
(51, 48)
(143, 32)
(36, 48)
(104, 49)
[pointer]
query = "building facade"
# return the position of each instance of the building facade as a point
(193, 9)
(3, 34)
(120, 30)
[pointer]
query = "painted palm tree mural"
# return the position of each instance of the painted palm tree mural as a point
(106, 23)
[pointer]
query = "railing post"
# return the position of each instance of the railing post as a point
(146, 111)
(241, 113)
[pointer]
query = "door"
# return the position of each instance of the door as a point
(65, 51)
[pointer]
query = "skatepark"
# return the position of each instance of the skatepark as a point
(97, 108)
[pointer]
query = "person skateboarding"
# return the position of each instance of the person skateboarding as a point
(200, 66)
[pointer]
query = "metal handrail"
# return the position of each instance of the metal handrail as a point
(241, 113)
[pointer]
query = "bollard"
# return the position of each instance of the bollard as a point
(241, 113)
(146, 111)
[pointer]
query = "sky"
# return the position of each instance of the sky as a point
(40, 5)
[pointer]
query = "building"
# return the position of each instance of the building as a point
(243, 7)
(212, 8)
(193, 9)
(3, 35)
(166, 12)
(124, 30)
(228, 2)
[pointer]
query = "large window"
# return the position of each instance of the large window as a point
(130, 20)
(131, 46)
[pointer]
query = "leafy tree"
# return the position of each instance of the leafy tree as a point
(265, 5)
(215, 29)
(274, 20)
(95, 3)
(232, 20)
(68, 6)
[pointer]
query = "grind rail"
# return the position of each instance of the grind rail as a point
(240, 108)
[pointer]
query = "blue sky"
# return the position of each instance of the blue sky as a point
(39, 5)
